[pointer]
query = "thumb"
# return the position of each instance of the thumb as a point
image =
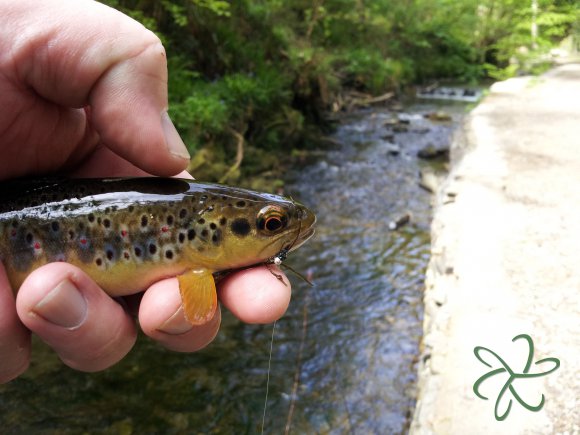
(79, 53)
(68, 311)
(129, 111)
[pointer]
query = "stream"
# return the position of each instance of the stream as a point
(343, 357)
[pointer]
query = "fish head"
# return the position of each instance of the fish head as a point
(255, 227)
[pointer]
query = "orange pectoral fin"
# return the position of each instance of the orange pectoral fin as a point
(198, 295)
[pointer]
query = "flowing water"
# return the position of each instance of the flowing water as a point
(343, 357)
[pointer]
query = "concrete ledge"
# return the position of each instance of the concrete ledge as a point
(506, 261)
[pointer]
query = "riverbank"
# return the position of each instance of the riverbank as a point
(505, 256)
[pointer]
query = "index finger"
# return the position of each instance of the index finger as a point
(14, 337)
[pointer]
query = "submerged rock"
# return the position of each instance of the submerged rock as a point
(399, 128)
(430, 180)
(393, 149)
(431, 152)
(400, 221)
(390, 122)
(440, 116)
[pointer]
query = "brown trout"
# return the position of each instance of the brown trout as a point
(127, 233)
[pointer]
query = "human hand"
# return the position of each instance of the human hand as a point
(86, 89)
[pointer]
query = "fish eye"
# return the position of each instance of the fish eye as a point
(272, 219)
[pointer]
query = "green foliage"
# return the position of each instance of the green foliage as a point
(268, 69)
(370, 70)
(498, 73)
(218, 7)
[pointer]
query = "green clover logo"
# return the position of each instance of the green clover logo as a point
(512, 377)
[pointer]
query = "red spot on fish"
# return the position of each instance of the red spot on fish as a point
(13, 233)
(164, 229)
(124, 233)
(37, 246)
(83, 241)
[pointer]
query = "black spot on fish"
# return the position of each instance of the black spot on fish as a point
(241, 204)
(110, 254)
(170, 220)
(223, 221)
(152, 248)
(213, 226)
(71, 234)
(201, 221)
(131, 208)
(29, 238)
(55, 226)
(191, 235)
(169, 254)
(204, 233)
(99, 262)
(182, 213)
(91, 217)
(144, 221)
(138, 251)
(14, 224)
(217, 237)
(181, 237)
(241, 227)
(107, 223)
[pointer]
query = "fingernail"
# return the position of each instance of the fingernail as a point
(176, 324)
(174, 142)
(63, 306)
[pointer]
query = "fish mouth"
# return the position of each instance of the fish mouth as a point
(302, 238)
(306, 229)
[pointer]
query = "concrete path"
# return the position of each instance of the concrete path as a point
(506, 261)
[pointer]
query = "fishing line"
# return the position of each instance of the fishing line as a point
(298, 372)
(268, 378)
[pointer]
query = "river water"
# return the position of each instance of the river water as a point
(343, 357)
